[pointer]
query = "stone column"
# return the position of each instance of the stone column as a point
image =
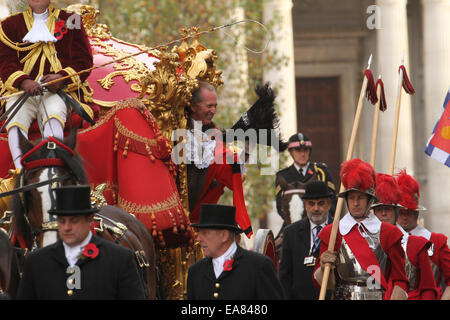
(436, 57)
(392, 45)
(233, 93)
(283, 76)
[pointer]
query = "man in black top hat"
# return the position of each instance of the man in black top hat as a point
(292, 180)
(300, 247)
(228, 272)
(79, 265)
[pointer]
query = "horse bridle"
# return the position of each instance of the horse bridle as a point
(51, 162)
(32, 186)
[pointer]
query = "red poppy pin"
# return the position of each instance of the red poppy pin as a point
(228, 265)
(310, 171)
(90, 251)
(60, 29)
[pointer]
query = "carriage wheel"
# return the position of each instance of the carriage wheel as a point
(265, 244)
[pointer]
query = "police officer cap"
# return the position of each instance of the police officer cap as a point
(299, 140)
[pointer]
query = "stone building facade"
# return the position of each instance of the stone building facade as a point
(332, 41)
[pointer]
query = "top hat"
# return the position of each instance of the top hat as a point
(299, 140)
(317, 190)
(73, 201)
(357, 175)
(215, 216)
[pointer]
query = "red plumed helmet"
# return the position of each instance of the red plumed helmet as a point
(409, 190)
(387, 189)
(358, 175)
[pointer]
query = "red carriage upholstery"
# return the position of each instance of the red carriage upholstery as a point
(126, 150)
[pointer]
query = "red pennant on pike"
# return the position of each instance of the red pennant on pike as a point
(371, 92)
(383, 104)
(407, 85)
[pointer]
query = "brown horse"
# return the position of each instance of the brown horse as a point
(292, 209)
(54, 163)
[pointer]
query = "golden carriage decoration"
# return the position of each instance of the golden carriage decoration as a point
(163, 80)
(157, 85)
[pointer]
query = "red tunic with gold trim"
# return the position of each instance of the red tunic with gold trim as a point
(422, 284)
(390, 241)
(67, 56)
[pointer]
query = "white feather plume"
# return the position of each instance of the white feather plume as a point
(296, 208)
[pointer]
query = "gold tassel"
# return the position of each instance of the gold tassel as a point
(125, 149)
(154, 234)
(149, 152)
(116, 141)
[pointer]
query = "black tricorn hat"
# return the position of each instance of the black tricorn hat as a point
(216, 216)
(317, 190)
(73, 201)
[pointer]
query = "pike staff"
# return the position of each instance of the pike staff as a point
(367, 89)
(403, 81)
(379, 106)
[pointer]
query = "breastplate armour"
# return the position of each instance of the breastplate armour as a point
(410, 269)
(352, 281)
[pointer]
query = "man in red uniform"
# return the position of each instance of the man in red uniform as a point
(368, 260)
(408, 216)
(418, 264)
(36, 46)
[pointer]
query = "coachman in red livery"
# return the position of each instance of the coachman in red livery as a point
(36, 47)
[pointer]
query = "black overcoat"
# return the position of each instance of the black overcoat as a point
(295, 276)
(252, 277)
(290, 178)
(113, 274)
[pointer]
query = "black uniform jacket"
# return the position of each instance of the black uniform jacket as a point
(113, 274)
(252, 277)
(295, 275)
(290, 178)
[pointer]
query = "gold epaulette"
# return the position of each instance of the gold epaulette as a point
(319, 170)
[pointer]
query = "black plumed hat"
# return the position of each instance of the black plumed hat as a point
(262, 115)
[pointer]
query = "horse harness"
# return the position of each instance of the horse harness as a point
(118, 232)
